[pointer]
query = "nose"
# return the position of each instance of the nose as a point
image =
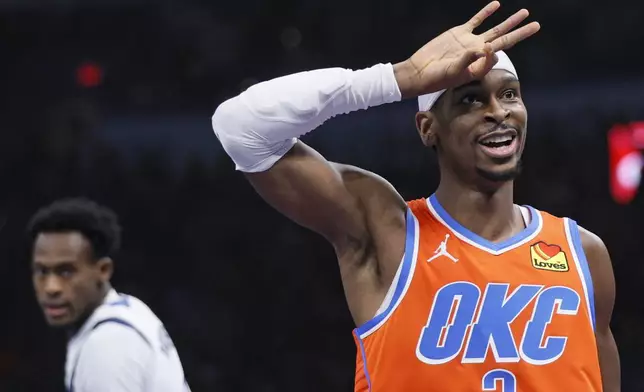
(496, 112)
(52, 286)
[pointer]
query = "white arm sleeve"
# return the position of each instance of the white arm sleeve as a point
(257, 127)
(113, 359)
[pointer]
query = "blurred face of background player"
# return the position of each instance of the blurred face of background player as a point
(69, 282)
(458, 124)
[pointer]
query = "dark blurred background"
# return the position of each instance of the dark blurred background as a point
(112, 99)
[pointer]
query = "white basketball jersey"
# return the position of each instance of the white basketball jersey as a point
(163, 373)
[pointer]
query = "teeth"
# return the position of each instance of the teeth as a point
(497, 139)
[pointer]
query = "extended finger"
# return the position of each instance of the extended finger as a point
(509, 40)
(483, 14)
(470, 57)
(482, 66)
(506, 26)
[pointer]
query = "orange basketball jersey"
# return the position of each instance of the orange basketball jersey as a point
(466, 314)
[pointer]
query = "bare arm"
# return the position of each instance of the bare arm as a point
(326, 197)
(601, 270)
(258, 128)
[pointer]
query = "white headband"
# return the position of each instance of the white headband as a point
(425, 102)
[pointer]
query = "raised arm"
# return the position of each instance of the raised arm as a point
(601, 270)
(289, 175)
(258, 128)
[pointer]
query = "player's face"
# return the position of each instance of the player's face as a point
(480, 129)
(69, 283)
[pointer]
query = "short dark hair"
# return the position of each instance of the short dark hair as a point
(98, 224)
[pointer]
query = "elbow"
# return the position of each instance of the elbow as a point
(227, 117)
(230, 129)
(235, 128)
(251, 141)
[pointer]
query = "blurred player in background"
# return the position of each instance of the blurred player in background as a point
(464, 290)
(116, 343)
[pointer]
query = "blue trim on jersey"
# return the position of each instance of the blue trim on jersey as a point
(407, 262)
(122, 301)
(496, 247)
(364, 362)
(583, 263)
(122, 322)
(107, 320)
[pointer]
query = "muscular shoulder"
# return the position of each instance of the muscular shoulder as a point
(594, 248)
(385, 214)
(370, 188)
(601, 270)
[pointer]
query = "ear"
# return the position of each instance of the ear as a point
(105, 268)
(427, 126)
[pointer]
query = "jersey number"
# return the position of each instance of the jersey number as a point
(507, 379)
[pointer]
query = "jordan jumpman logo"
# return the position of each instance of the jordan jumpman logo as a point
(442, 251)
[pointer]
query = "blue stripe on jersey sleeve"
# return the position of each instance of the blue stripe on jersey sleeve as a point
(583, 263)
(407, 262)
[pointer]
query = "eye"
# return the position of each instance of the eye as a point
(510, 94)
(470, 99)
(66, 272)
(39, 270)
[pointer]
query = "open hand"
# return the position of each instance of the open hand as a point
(459, 56)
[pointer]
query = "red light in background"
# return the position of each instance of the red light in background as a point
(625, 161)
(638, 134)
(89, 75)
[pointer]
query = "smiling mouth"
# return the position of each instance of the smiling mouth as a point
(499, 144)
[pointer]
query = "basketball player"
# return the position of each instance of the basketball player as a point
(116, 343)
(464, 290)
